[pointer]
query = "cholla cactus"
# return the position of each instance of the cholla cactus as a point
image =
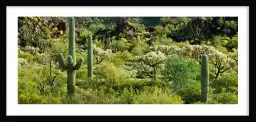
(149, 63)
(163, 48)
(100, 54)
(187, 51)
(221, 63)
(152, 58)
(167, 50)
(197, 52)
(31, 49)
(22, 62)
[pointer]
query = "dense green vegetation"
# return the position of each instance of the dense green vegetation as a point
(128, 60)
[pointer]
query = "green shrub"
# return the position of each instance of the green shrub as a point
(116, 60)
(28, 98)
(224, 98)
(163, 41)
(155, 95)
(34, 78)
(95, 27)
(229, 81)
(87, 96)
(81, 74)
(139, 47)
(119, 45)
(112, 74)
(191, 92)
(178, 70)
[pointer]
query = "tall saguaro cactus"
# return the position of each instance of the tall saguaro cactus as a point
(90, 57)
(71, 67)
(205, 78)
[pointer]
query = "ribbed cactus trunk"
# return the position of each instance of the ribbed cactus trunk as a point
(90, 57)
(71, 67)
(205, 78)
(72, 57)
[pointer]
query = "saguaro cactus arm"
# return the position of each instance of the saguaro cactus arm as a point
(61, 60)
(70, 61)
(78, 64)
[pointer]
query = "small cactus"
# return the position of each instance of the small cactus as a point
(205, 78)
(71, 67)
(90, 57)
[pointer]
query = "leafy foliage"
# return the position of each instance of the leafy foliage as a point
(179, 70)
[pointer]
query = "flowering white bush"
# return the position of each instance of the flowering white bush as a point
(221, 63)
(22, 62)
(100, 54)
(31, 49)
(32, 54)
(150, 62)
(167, 50)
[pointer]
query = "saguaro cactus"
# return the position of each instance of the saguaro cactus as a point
(90, 57)
(205, 78)
(71, 67)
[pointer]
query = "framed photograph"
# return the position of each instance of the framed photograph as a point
(128, 60)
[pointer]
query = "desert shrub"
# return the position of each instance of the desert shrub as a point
(119, 45)
(57, 46)
(120, 58)
(38, 83)
(181, 44)
(83, 33)
(163, 41)
(160, 31)
(229, 81)
(111, 74)
(224, 97)
(32, 54)
(82, 73)
(25, 56)
(82, 96)
(191, 92)
(178, 70)
(117, 60)
(127, 56)
(155, 95)
(28, 98)
(139, 47)
(95, 27)
(36, 98)
(127, 96)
